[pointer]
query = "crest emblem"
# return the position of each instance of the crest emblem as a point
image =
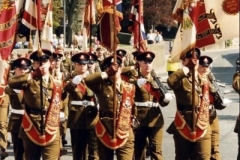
(230, 7)
(127, 102)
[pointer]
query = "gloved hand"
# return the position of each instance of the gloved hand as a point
(192, 63)
(37, 74)
(141, 82)
(77, 79)
(17, 90)
(62, 117)
(168, 97)
(226, 102)
(112, 70)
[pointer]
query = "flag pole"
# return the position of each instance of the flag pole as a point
(114, 83)
(90, 27)
(139, 26)
(194, 56)
(39, 29)
(193, 98)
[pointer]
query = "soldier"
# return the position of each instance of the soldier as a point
(203, 71)
(83, 113)
(59, 74)
(92, 63)
(67, 62)
(100, 57)
(148, 99)
(125, 57)
(20, 66)
(42, 97)
(4, 106)
(192, 137)
(120, 138)
(236, 87)
(130, 72)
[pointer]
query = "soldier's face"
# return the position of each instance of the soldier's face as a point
(20, 71)
(145, 67)
(99, 53)
(80, 68)
(35, 64)
(45, 67)
(203, 70)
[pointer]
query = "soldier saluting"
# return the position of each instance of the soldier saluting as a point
(83, 114)
(101, 83)
(38, 142)
(19, 66)
(148, 98)
(191, 127)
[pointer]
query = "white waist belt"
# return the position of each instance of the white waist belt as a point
(147, 104)
(83, 103)
(18, 111)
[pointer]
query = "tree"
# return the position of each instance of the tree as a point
(156, 12)
(57, 13)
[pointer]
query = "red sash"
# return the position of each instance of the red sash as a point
(123, 121)
(186, 131)
(51, 124)
(149, 88)
(2, 93)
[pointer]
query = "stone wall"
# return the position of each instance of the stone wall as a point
(158, 49)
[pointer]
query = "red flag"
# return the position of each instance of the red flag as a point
(8, 24)
(89, 15)
(107, 32)
(137, 28)
(89, 19)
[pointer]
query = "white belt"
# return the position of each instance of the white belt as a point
(18, 111)
(147, 104)
(83, 103)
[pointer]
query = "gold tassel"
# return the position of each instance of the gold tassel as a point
(39, 51)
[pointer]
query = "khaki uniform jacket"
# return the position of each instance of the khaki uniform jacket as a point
(67, 64)
(81, 117)
(17, 103)
(104, 92)
(182, 86)
(236, 87)
(149, 116)
(32, 96)
(236, 82)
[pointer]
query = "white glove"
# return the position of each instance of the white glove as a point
(141, 82)
(62, 117)
(77, 79)
(17, 90)
(168, 97)
(226, 102)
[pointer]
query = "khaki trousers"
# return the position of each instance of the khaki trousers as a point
(186, 150)
(155, 136)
